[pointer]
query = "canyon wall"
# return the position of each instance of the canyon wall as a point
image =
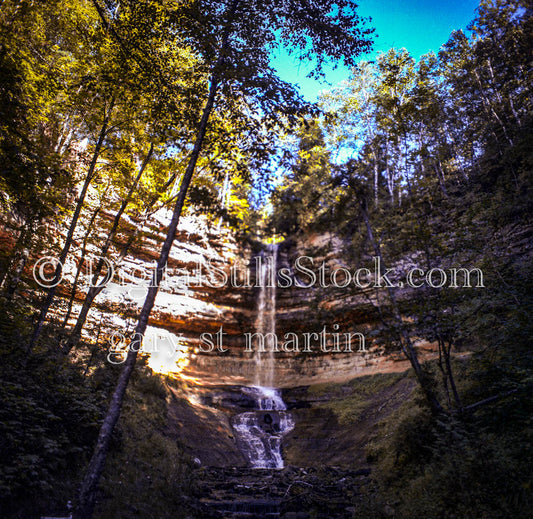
(206, 307)
(210, 289)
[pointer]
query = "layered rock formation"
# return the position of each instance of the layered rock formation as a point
(205, 307)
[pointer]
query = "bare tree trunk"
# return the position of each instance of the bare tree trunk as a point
(445, 367)
(81, 263)
(376, 177)
(94, 348)
(390, 180)
(447, 360)
(224, 196)
(405, 340)
(93, 289)
(490, 108)
(442, 368)
(66, 247)
(441, 179)
(18, 262)
(86, 500)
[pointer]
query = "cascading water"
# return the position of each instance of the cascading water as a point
(259, 432)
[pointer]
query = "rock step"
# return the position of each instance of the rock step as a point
(290, 493)
(247, 508)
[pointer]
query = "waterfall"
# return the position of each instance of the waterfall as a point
(259, 432)
(266, 317)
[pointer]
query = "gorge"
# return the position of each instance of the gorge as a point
(226, 297)
(257, 422)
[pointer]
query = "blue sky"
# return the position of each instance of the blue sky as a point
(417, 25)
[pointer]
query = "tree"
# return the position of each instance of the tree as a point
(94, 286)
(38, 71)
(486, 73)
(305, 197)
(120, 92)
(447, 137)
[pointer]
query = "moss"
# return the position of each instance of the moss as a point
(349, 401)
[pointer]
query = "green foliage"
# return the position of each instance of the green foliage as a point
(33, 176)
(450, 468)
(437, 153)
(148, 475)
(305, 198)
(49, 419)
(430, 201)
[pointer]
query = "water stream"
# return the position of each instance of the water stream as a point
(259, 432)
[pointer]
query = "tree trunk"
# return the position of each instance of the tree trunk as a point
(442, 368)
(66, 247)
(447, 360)
(498, 95)
(94, 288)
(441, 179)
(376, 178)
(132, 236)
(89, 485)
(405, 340)
(81, 262)
(390, 180)
(224, 196)
(94, 349)
(18, 261)
(490, 108)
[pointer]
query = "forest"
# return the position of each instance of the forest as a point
(124, 121)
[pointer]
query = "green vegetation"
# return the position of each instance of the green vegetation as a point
(424, 188)
(350, 401)
(432, 169)
(471, 467)
(50, 416)
(148, 475)
(425, 467)
(111, 112)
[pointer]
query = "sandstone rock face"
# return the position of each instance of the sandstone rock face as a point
(205, 311)
(314, 324)
(206, 307)
(210, 289)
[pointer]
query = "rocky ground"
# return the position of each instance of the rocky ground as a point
(290, 493)
(328, 472)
